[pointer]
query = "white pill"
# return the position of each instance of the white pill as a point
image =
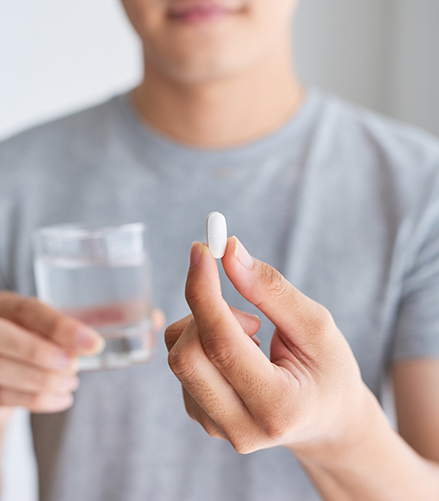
(216, 230)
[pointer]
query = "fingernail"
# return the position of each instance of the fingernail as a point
(196, 251)
(242, 255)
(70, 383)
(62, 399)
(88, 339)
(66, 362)
(251, 315)
(256, 340)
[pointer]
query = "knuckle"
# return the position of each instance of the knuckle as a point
(44, 382)
(64, 325)
(278, 423)
(241, 444)
(194, 297)
(33, 353)
(182, 363)
(171, 335)
(274, 430)
(26, 306)
(324, 321)
(275, 283)
(220, 351)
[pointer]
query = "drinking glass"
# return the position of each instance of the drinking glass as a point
(100, 275)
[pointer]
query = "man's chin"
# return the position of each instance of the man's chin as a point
(197, 72)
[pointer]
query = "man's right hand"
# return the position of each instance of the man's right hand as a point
(38, 354)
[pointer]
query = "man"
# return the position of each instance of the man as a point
(340, 201)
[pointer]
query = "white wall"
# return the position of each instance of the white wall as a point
(343, 46)
(380, 53)
(56, 57)
(415, 78)
(60, 56)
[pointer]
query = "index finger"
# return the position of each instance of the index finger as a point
(233, 352)
(33, 315)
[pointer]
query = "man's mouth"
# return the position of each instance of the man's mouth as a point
(200, 11)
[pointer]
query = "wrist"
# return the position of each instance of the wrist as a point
(354, 431)
(373, 460)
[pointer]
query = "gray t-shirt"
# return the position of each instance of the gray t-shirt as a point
(343, 202)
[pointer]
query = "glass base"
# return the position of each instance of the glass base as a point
(120, 352)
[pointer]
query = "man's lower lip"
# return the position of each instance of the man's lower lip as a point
(200, 15)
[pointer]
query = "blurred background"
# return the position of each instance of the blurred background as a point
(57, 57)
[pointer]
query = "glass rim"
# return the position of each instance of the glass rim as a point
(84, 230)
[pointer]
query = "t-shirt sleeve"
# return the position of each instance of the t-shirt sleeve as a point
(416, 332)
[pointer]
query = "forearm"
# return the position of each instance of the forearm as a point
(380, 467)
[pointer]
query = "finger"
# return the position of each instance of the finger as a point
(36, 316)
(21, 345)
(249, 322)
(158, 320)
(197, 414)
(291, 311)
(241, 362)
(173, 332)
(18, 376)
(36, 402)
(207, 386)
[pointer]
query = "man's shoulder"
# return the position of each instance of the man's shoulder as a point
(396, 160)
(397, 144)
(59, 137)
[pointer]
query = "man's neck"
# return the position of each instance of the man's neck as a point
(223, 113)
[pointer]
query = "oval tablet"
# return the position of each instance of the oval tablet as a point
(216, 232)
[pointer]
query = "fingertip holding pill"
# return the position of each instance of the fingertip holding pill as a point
(216, 234)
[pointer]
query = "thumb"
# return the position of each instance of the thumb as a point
(298, 317)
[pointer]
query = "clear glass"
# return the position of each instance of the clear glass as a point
(101, 276)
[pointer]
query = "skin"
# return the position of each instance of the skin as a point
(39, 347)
(308, 396)
(214, 85)
(220, 83)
